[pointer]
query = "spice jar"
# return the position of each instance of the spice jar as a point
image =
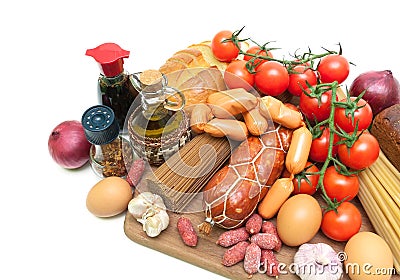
(159, 126)
(110, 152)
(115, 88)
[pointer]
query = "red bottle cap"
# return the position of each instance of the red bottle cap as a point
(110, 58)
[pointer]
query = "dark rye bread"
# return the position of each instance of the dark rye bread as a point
(386, 128)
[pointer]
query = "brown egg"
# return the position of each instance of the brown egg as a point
(368, 257)
(299, 219)
(109, 197)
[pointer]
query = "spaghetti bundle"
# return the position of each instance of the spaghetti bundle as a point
(183, 175)
(380, 196)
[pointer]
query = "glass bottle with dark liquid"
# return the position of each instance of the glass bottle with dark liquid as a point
(115, 88)
(159, 126)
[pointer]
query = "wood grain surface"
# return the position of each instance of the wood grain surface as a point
(208, 255)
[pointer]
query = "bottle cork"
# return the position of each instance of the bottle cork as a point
(151, 80)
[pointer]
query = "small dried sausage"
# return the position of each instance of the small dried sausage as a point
(252, 259)
(269, 227)
(270, 263)
(254, 223)
(264, 240)
(235, 254)
(187, 232)
(232, 237)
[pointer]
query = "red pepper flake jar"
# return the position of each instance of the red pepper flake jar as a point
(110, 152)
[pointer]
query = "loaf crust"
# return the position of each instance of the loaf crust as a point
(195, 72)
(386, 129)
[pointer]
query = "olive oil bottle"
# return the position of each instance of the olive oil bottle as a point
(159, 126)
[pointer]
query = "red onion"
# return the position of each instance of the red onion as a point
(382, 89)
(68, 145)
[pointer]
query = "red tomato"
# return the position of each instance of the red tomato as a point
(314, 110)
(256, 50)
(363, 153)
(297, 80)
(362, 115)
(236, 75)
(307, 187)
(319, 146)
(333, 67)
(342, 225)
(339, 186)
(272, 78)
(224, 51)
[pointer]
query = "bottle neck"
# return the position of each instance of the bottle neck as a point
(118, 80)
(153, 104)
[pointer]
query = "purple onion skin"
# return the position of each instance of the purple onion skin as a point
(68, 145)
(382, 89)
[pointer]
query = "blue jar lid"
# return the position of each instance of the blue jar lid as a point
(100, 125)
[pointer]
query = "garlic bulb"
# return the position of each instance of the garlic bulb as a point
(149, 210)
(317, 261)
(141, 203)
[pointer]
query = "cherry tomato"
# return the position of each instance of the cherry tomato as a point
(362, 115)
(257, 51)
(342, 225)
(224, 51)
(339, 186)
(297, 80)
(314, 110)
(236, 75)
(333, 67)
(272, 78)
(319, 146)
(307, 187)
(363, 153)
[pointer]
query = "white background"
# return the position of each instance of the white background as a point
(46, 231)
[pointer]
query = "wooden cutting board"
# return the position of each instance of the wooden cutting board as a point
(208, 255)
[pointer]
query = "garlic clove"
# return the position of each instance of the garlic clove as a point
(163, 215)
(159, 202)
(137, 207)
(153, 226)
(153, 199)
(148, 197)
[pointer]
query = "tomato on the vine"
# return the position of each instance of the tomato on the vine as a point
(363, 116)
(236, 75)
(363, 153)
(271, 78)
(340, 187)
(342, 225)
(299, 78)
(310, 186)
(256, 50)
(320, 146)
(224, 49)
(333, 67)
(315, 110)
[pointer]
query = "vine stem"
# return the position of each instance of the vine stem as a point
(332, 129)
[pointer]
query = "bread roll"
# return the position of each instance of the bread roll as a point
(386, 129)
